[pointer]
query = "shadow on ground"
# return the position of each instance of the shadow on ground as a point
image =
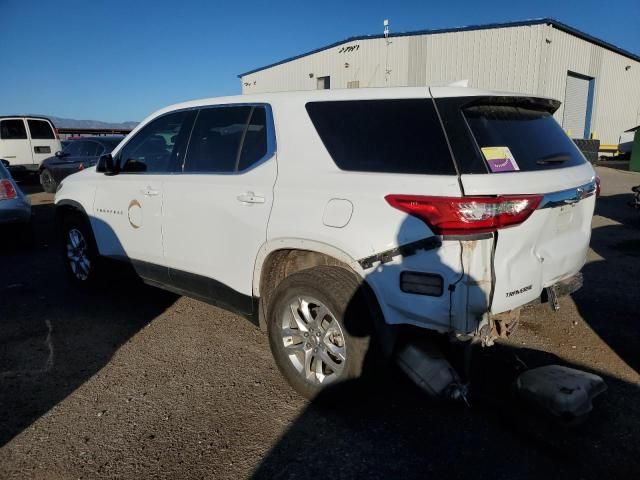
(54, 337)
(395, 432)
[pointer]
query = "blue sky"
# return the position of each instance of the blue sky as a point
(120, 60)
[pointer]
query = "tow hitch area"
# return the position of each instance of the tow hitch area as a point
(561, 289)
(562, 392)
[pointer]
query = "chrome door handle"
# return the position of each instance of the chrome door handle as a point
(250, 197)
(149, 192)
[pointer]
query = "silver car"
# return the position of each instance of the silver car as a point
(15, 207)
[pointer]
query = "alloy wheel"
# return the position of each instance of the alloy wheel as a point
(313, 340)
(78, 254)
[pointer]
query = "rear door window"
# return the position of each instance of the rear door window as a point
(527, 138)
(254, 145)
(41, 130)
(12, 129)
(216, 138)
(391, 136)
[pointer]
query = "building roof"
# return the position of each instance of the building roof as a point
(524, 23)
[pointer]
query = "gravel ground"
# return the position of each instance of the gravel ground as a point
(134, 382)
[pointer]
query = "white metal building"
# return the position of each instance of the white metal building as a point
(598, 83)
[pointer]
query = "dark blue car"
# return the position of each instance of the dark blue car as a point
(77, 155)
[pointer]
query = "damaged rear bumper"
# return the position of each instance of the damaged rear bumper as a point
(562, 288)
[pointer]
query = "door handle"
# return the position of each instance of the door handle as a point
(149, 192)
(250, 198)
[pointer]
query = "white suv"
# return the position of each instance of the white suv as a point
(329, 216)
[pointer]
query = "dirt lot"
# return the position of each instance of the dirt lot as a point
(133, 382)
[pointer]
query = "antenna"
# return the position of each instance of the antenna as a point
(387, 72)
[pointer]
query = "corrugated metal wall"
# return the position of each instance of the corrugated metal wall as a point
(527, 59)
(366, 61)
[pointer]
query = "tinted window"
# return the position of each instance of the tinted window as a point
(73, 148)
(398, 136)
(536, 141)
(109, 145)
(40, 130)
(215, 140)
(254, 146)
(155, 148)
(12, 130)
(87, 149)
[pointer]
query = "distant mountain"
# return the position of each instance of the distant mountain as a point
(73, 123)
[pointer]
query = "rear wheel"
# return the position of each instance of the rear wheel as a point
(47, 181)
(79, 251)
(319, 328)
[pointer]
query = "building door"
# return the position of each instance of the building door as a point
(324, 83)
(578, 103)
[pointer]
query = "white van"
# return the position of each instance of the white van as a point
(26, 141)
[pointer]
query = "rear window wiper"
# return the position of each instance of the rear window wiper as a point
(558, 158)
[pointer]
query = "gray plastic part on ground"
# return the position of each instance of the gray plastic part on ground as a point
(425, 365)
(562, 391)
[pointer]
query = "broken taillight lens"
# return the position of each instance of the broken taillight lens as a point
(466, 215)
(7, 192)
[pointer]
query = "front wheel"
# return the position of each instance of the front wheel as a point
(319, 328)
(78, 251)
(47, 181)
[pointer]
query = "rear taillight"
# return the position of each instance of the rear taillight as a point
(465, 215)
(7, 192)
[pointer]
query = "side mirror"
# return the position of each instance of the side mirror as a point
(61, 154)
(5, 163)
(106, 165)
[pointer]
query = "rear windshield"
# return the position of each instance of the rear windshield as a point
(393, 136)
(519, 138)
(12, 130)
(40, 130)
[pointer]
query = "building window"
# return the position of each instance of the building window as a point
(324, 83)
(353, 84)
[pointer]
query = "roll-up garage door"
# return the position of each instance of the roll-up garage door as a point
(577, 108)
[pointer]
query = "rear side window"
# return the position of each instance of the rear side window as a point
(533, 139)
(40, 130)
(12, 130)
(393, 136)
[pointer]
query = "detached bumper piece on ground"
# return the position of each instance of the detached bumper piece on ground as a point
(562, 392)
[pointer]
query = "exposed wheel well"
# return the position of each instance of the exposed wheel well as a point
(281, 263)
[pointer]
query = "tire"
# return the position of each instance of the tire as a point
(79, 251)
(339, 341)
(47, 181)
